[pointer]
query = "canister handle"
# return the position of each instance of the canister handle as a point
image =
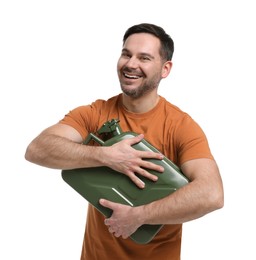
(110, 127)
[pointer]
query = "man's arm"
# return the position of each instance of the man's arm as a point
(202, 195)
(60, 147)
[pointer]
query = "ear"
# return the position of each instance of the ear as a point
(166, 69)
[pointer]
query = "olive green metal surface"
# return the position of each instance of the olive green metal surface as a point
(103, 182)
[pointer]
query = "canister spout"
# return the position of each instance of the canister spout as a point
(112, 127)
(109, 129)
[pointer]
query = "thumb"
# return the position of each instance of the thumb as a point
(107, 204)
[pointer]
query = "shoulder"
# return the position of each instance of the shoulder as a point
(108, 102)
(180, 122)
(173, 112)
(96, 106)
(87, 118)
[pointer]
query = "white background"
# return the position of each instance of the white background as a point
(56, 55)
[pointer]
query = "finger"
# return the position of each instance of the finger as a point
(107, 204)
(147, 165)
(136, 180)
(125, 236)
(111, 230)
(117, 233)
(146, 174)
(144, 154)
(108, 222)
(150, 155)
(136, 139)
(143, 171)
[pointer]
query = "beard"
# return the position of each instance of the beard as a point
(141, 90)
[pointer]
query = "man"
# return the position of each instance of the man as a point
(145, 60)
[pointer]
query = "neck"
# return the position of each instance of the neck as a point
(140, 105)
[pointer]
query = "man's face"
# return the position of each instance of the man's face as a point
(140, 65)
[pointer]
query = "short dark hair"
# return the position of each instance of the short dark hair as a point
(167, 44)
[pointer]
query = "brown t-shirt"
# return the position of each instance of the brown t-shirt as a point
(172, 132)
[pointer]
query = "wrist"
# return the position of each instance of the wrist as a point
(103, 156)
(141, 215)
(93, 156)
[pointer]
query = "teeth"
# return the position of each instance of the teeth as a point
(131, 76)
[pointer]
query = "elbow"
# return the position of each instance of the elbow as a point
(220, 197)
(30, 154)
(217, 200)
(221, 201)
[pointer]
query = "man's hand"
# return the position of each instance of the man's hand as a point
(125, 220)
(122, 157)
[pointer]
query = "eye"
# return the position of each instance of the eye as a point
(145, 58)
(125, 55)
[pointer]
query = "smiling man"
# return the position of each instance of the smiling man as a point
(140, 65)
(145, 60)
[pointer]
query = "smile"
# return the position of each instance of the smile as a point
(131, 76)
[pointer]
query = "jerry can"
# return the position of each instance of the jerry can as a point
(103, 182)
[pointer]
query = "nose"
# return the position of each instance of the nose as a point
(132, 63)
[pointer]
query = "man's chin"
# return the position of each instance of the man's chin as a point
(133, 93)
(129, 89)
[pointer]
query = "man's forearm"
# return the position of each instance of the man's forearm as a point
(188, 203)
(66, 151)
(61, 153)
